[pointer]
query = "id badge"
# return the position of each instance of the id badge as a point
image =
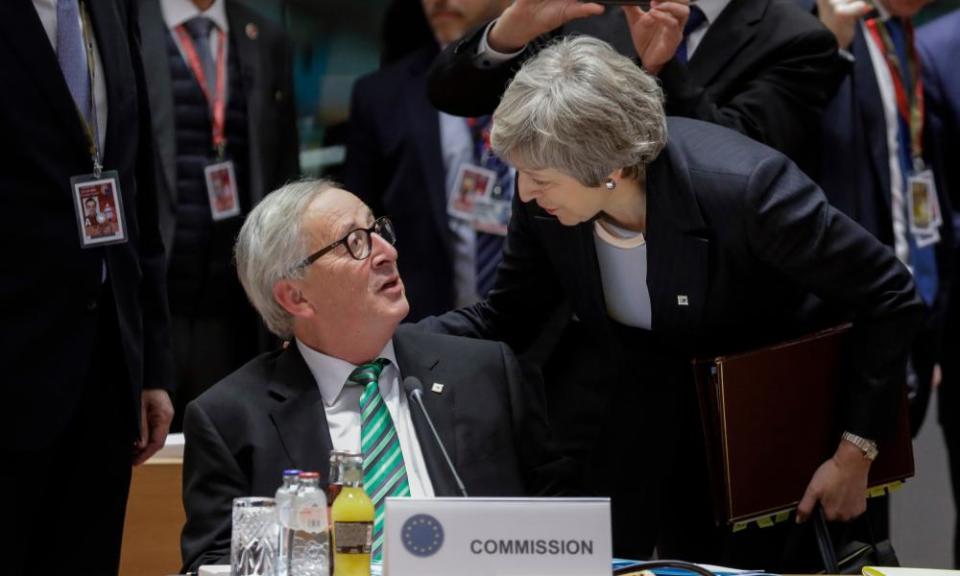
(99, 209)
(492, 211)
(472, 183)
(925, 215)
(222, 190)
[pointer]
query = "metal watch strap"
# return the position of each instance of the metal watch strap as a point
(869, 447)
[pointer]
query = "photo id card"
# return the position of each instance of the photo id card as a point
(472, 182)
(491, 213)
(99, 210)
(222, 190)
(925, 216)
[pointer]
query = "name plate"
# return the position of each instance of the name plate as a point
(497, 536)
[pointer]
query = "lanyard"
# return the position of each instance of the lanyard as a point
(92, 129)
(909, 105)
(218, 100)
(480, 133)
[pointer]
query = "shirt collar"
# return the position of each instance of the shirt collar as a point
(176, 12)
(331, 373)
(712, 9)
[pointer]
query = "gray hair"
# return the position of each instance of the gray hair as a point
(271, 246)
(583, 109)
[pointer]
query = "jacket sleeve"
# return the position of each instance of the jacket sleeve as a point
(793, 229)
(158, 371)
(212, 478)
(780, 105)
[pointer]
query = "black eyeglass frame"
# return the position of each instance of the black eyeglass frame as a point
(379, 225)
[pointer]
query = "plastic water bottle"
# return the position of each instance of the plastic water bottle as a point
(311, 534)
(285, 495)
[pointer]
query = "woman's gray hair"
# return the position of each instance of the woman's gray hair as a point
(583, 109)
(271, 246)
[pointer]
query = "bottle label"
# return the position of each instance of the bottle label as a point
(353, 537)
(312, 518)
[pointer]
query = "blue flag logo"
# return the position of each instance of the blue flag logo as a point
(422, 535)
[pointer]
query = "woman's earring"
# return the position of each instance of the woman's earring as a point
(610, 184)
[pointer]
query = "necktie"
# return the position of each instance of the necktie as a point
(923, 260)
(199, 28)
(696, 18)
(489, 247)
(72, 56)
(384, 473)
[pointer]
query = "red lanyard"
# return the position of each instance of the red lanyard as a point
(218, 102)
(910, 108)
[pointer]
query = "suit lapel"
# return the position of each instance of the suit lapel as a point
(153, 33)
(725, 38)
(422, 364)
(425, 124)
(247, 45)
(872, 118)
(299, 416)
(21, 26)
(678, 250)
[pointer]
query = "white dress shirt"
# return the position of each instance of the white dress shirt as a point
(342, 406)
(177, 12)
(456, 146)
(47, 11)
(901, 246)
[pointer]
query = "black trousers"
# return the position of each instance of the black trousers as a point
(69, 498)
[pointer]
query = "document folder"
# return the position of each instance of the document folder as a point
(771, 417)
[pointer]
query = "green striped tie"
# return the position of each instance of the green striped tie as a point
(383, 471)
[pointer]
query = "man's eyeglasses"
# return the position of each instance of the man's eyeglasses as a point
(358, 241)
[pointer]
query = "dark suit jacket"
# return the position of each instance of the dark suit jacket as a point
(765, 68)
(855, 175)
(267, 67)
(752, 244)
(49, 285)
(269, 416)
(395, 165)
(939, 43)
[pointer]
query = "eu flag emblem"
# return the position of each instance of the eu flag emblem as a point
(422, 535)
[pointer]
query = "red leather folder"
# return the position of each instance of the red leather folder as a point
(771, 417)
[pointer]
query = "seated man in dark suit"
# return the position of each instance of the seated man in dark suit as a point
(322, 271)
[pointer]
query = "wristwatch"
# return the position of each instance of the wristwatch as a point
(869, 447)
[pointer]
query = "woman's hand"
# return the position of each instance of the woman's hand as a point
(524, 20)
(839, 484)
(658, 32)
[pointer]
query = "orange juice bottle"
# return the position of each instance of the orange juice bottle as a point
(353, 515)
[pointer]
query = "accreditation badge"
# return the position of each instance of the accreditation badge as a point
(472, 183)
(491, 213)
(99, 209)
(924, 206)
(222, 190)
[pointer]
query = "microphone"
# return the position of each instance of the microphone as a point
(414, 390)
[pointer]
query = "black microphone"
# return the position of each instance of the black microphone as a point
(411, 384)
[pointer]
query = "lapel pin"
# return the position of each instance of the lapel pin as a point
(682, 300)
(252, 31)
(436, 388)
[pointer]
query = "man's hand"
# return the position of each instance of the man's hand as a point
(524, 20)
(839, 484)
(841, 16)
(658, 32)
(156, 412)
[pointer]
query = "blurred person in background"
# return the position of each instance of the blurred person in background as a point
(764, 68)
(939, 44)
(224, 126)
(883, 164)
(84, 336)
(410, 161)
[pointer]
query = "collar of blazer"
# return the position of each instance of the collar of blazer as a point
(300, 418)
(734, 27)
